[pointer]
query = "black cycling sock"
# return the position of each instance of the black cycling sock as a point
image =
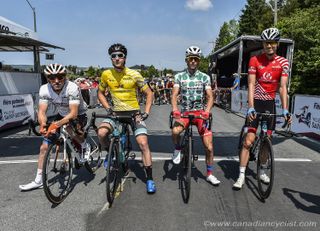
(148, 170)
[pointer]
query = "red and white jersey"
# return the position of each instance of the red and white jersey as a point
(268, 75)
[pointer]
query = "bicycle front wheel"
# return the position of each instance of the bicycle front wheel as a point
(186, 164)
(113, 168)
(57, 172)
(94, 160)
(265, 168)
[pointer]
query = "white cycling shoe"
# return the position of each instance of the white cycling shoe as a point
(213, 180)
(30, 186)
(264, 178)
(240, 182)
(176, 157)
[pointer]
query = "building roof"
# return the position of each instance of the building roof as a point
(10, 41)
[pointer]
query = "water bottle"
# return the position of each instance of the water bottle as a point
(105, 162)
(123, 140)
(264, 126)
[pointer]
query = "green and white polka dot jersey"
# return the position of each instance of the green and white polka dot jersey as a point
(192, 89)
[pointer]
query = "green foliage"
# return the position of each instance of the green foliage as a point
(228, 32)
(303, 27)
(150, 72)
(256, 16)
(91, 71)
(204, 64)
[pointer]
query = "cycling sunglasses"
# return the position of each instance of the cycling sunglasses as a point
(57, 76)
(272, 43)
(190, 59)
(118, 55)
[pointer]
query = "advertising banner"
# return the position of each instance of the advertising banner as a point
(306, 114)
(239, 104)
(10, 26)
(239, 101)
(15, 110)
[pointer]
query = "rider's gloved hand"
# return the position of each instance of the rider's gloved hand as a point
(43, 129)
(176, 114)
(144, 115)
(109, 111)
(286, 114)
(251, 113)
(52, 129)
(205, 115)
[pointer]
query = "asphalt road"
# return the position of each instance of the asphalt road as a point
(293, 205)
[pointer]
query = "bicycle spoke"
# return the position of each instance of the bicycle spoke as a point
(57, 173)
(112, 172)
(265, 169)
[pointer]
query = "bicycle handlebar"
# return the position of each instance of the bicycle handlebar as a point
(113, 117)
(265, 114)
(191, 117)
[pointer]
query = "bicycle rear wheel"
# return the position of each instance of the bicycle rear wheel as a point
(57, 172)
(95, 159)
(113, 168)
(265, 166)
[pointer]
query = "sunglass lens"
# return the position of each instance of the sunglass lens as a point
(118, 55)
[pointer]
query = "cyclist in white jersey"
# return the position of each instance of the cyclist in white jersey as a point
(65, 96)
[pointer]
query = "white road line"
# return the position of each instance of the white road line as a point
(230, 158)
(105, 207)
(233, 158)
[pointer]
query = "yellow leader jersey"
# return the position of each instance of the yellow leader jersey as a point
(123, 88)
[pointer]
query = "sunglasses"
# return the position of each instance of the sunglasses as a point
(59, 77)
(190, 59)
(272, 43)
(117, 56)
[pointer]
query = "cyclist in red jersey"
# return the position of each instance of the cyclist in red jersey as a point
(268, 72)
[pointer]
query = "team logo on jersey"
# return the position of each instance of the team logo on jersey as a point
(266, 77)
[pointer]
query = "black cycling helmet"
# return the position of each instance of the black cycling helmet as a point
(117, 47)
(270, 34)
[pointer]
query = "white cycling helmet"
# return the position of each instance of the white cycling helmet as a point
(270, 34)
(193, 51)
(53, 69)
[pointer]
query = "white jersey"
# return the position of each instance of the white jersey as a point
(70, 94)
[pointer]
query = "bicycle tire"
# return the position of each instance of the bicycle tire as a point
(95, 159)
(112, 173)
(57, 172)
(263, 188)
(127, 149)
(188, 172)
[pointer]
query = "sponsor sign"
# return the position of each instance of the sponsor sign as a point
(15, 110)
(10, 26)
(239, 104)
(306, 114)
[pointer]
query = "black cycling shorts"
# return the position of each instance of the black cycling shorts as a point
(263, 106)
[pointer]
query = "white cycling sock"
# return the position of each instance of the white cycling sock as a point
(38, 176)
(242, 171)
(264, 166)
(83, 144)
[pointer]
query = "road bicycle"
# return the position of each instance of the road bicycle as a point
(62, 155)
(262, 152)
(120, 147)
(188, 155)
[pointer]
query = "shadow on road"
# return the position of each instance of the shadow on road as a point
(305, 201)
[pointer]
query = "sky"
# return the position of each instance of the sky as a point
(155, 32)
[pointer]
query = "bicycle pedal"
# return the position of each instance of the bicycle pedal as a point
(132, 156)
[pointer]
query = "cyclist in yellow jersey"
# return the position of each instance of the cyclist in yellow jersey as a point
(122, 83)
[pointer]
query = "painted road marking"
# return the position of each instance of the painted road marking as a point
(230, 158)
